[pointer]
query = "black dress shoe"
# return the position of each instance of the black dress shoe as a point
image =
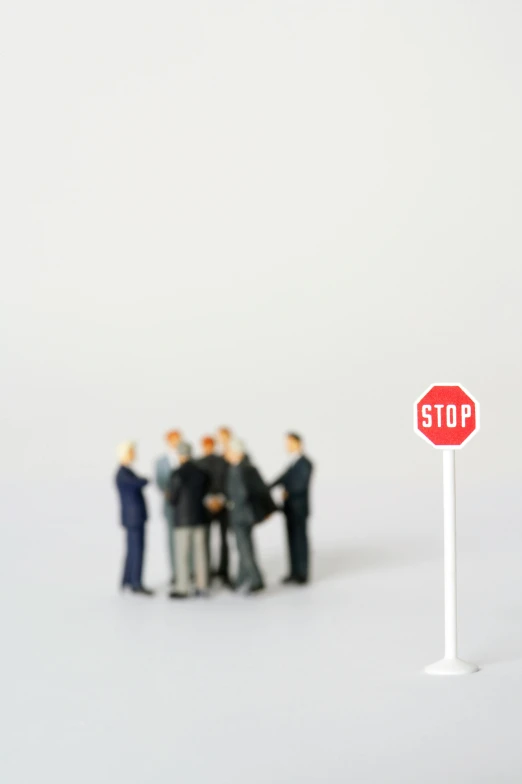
(178, 595)
(224, 578)
(145, 591)
(301, 580)
(288, 579)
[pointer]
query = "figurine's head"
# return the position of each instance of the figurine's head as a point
(173, 438)
(184, 452)
(207, 445)
(224, 434)
(127, 453)
(235, 451)
(293, 443)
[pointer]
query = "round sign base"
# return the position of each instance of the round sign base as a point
(451, 667)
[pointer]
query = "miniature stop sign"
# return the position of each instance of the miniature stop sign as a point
(447, 416)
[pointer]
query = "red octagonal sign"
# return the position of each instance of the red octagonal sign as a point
(447, 416)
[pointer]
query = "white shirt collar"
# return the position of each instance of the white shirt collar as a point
(172, 457)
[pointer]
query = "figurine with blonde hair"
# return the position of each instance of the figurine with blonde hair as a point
(133, 518)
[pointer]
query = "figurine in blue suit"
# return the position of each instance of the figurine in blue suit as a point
(296, 490)
(133, 518)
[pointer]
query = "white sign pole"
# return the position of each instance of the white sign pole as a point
(450, 664)
(450, 554)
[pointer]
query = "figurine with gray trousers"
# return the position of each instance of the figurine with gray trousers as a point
(249, 502)
(163, 471)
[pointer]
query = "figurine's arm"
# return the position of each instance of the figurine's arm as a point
(131, 480)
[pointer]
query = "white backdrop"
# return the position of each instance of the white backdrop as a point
(267, 214)
(270, 215)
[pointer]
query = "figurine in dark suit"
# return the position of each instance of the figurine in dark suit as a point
(296, 489)
(188, 487)
(249, 502)
(133, 518)
(216, 467)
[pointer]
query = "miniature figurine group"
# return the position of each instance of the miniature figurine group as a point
(220, 489)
